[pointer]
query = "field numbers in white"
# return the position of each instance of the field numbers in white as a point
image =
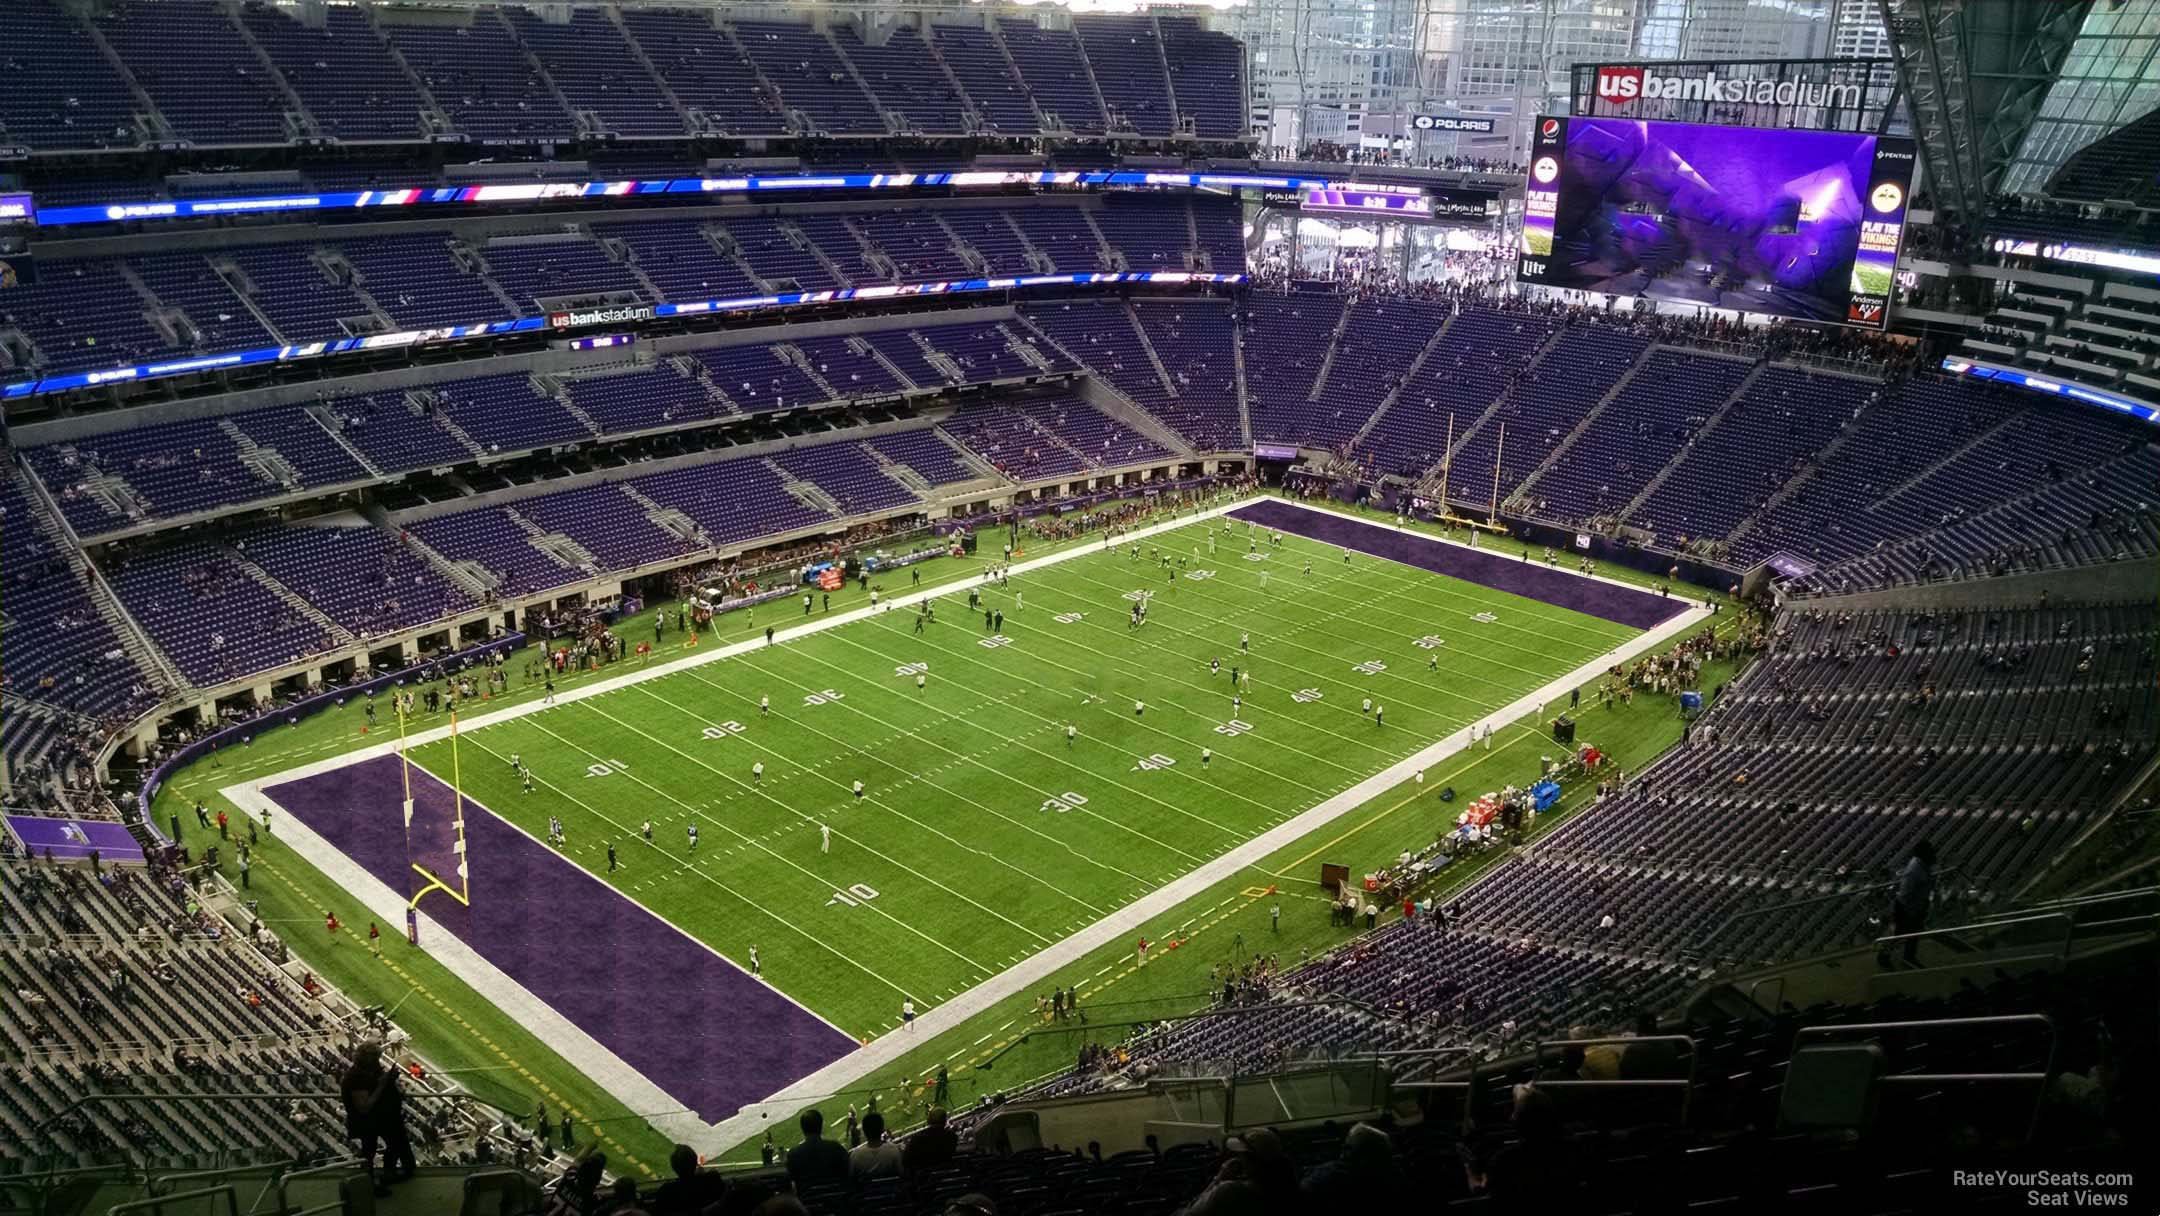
(994, 641)
(1485, 618)
(1305, 696)
(1234, 727)
(1197, 575)
(604, 768)
(854, 897)
(1069, 618)
(1064, 802)
(1429, 642)
(1370, 667)
(911, 669)
(723, 730)
(823, 696)
(1149, 764)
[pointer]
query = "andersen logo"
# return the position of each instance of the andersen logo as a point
(1641, 84)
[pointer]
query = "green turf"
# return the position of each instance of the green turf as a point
(983, 836)
(460, 1030)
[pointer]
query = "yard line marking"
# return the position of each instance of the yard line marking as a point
(960, 758)
(723, 826)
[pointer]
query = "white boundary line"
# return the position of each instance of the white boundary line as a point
(632, 1088)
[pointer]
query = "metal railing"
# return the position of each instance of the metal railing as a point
(2038, 1080)
(1472, 1084)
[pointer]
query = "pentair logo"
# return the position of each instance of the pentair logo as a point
(1886, 197)
(1545, 170)
(1619, 84)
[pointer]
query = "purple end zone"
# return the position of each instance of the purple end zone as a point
(693, 1023)
(1623, 605)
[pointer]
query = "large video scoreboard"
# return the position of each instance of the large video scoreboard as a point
(1800, 224)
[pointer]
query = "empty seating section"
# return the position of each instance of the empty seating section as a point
(478, 75)
(1650, 422)
(643, 400)
(61, 92)
(341, 71)
(539, 273)
(916, 244)
(681, 260)
(491, 538)
(1540, 411)
(188, 282)
(803, 64)
(849, 474)
(1380, 340)
(1785, 416)
(608, 523)
(60, 651)
(1102, 336)
(590, 62)
(849, 366)
(300, 300)
(1193, 338)
(771, 249)
(504, 414)
(1012, 442)
(81, 315)
(905, 79)
(988, 78)
(758, 378)
(1481, 359)
(1057, 77)
(363, 578)
(1064, 236)
(205, 80)
(166, 470)
(1150, 229)
(1286, 341)
(396, 432)
(991, 234)
(833, 236)
(926, 454)
(705, 70)
(1207, 77)
(418, 282)
(211, 615)
(1221, 229)
(1127, 56)
(733, 500)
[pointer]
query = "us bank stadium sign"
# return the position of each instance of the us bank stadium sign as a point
(1824, 94)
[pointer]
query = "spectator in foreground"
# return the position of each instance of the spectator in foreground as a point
(1909, 903)
(1365, 1177)
(690, 1190)
(931, 1147)
(875, 1157)
(578, 1193)
(816, 1159)
(375, 1115)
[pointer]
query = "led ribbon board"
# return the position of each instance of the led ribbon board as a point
(573, 320)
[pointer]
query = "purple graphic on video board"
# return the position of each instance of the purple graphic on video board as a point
(72, 839)
(1802, 224)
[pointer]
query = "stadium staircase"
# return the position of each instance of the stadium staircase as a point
(471, 577)
(664, 517)
(1808, 468)
(558, 547)
(1439, 338)
(905, 477)
(1327, 361)
(971, 116)
(859, 345)
(1147, 344)
(1739, 392)
(1244, 394)
(808, 493)
(1589, 419)
(265, 462)
(982, 468)
(299, 120)
(1108, 255)
(151, 126)
(294, 600)
(692, 120)
(791, 353)
(426, 403)
(164, 674)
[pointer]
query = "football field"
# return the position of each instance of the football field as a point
(1017, 783)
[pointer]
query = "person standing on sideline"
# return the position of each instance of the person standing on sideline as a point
(907, 1013)
(757, 965)
(374, 939)
(611, 857)
(245, 865)
(1274, 913)
(1070, 731)
(824, 838)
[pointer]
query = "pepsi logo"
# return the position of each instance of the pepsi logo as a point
(1549, 128)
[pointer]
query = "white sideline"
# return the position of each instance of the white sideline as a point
(640, 1094)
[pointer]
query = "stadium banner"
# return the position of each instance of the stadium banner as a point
(1798, 224)
(563, 322)
(17, 209)
(1822, 94)
(1274, 451)
(2135, 261)
(2140, 410)
(75, 839)
(526, 192)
